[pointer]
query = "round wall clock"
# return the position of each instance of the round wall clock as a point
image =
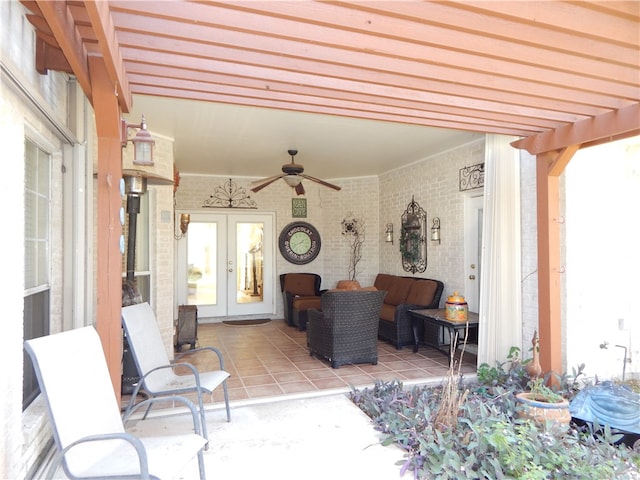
(299, 242)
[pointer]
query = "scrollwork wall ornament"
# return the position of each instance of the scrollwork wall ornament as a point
(229, 195)
(413, 242)
(471, 177)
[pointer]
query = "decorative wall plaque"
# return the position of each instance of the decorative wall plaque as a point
(299, 207)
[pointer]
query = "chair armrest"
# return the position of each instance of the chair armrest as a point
(201, 349)
(175, 398)
(290, 296)
(135, 443)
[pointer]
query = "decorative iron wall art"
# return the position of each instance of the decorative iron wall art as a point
(229, 195)
(413, 242)
(471, 177)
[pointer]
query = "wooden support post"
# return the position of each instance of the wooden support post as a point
(550, 166)
(109, 258)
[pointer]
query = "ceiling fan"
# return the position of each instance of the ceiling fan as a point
(292, 173)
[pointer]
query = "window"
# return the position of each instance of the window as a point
(37, 199)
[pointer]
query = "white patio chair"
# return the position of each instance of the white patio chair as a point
(157, 373)
(85, 416)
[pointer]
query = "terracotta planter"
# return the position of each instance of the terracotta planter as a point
(555, 416)
(348, 285)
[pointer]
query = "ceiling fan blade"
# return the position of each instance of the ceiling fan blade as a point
(299, 189)
(321, 182)
(267, 179)
(260, 184)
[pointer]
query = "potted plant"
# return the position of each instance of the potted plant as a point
(544, 406)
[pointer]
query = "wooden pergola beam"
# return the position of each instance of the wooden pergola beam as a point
(102, 23)
(622, 122)
(63, 27)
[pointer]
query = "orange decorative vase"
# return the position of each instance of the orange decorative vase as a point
(456, 309)
(348, 285)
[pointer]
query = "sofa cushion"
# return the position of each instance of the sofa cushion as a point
(399, 290)
(299, 284)
(384, 281)
(421, 292)
(305, 303)
(388, 312)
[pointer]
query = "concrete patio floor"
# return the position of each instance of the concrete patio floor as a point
(311, 437)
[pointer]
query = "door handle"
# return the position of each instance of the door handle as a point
(472, 277)
(231, 270)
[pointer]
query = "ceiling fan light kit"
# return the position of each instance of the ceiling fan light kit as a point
(292, 174)
(292, 180)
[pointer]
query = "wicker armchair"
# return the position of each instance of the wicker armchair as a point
(300, 292)
(346, 330)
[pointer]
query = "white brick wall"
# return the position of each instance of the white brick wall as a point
(529, 249)
(433, 183)
(326, 208)
(23, 435)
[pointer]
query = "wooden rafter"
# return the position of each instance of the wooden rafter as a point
(102, 24)
(611, 124)
(551, 72)
(62, 25)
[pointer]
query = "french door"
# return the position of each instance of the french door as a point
(226, 264)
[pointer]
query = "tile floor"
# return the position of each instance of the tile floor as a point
(272, 360)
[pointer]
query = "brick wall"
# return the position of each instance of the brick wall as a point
(433, 183)
(23, 435)
(326, 208)
(529, 231)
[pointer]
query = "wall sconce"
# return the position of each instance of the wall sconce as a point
(435, 230)
(389, 233)
(185, 219)
(143, 142)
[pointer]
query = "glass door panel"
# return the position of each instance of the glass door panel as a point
(251, 283)
(201, 265)
(249, 276)
(202, 260)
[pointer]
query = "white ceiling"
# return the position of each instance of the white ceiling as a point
(221, 139)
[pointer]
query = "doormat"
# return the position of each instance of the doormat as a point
(246, 323)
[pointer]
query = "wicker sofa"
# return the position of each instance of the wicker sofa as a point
(404, 294)
(346, 329)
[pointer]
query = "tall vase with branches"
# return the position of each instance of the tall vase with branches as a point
(353, 232)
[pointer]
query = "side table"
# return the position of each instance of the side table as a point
(437, 318)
